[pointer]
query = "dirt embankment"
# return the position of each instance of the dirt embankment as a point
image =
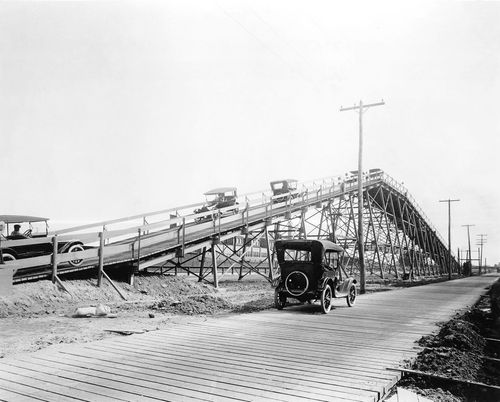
(39, 314)
(461, 350)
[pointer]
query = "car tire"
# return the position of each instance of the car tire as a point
(279, 300)
(72, 249)
(326, 299)
(8, 257)
(351, 296)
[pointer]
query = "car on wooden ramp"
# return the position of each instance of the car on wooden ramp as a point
(283, 190)
(216, 199)
(312, 270)
(13, 251)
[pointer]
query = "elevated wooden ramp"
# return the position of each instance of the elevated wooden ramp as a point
(297, 354)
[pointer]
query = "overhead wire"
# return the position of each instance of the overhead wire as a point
(292, 68)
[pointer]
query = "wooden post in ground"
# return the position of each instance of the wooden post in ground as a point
(101, 259)
(202, 263)
(54, 258)
(214, 265)
(269, 255)
(105, 275)
(242, 260)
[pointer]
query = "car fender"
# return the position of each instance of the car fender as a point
(64, 248)
(10, 251)
(345, 286)
(328, 281)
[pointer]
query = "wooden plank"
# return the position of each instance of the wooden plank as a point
(36, 390)
(130, 391)
(7, 395)
(237, 387)
(268, 362)
(53, 382)
(256, 373)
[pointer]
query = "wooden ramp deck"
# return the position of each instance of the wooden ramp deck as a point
(297, 354)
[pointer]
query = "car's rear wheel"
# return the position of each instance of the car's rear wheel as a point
(279, 300)
(8, 257)
(351, 296)
(326, 299)
(73, 249)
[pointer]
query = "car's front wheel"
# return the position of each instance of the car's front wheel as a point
(326, 299)
(73, 249)
(279, 300)
(351, 296)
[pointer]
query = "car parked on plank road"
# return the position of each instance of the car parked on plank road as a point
(312, 270)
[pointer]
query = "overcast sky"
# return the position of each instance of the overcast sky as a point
(109, 109)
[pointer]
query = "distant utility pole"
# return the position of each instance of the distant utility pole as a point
(361, 246)
(449, 201)
(468, 236)
(482, 240)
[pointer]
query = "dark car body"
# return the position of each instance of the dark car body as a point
(312, 270)
(283, 190)
(18, 251)
(218, 198)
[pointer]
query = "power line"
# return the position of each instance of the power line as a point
(266, 46)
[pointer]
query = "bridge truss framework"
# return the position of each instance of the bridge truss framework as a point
(400, 243)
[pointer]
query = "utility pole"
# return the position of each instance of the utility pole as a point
(361, 246)
(449, 201)
(468, 237)
(480, 242)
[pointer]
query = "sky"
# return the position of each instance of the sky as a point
(110, 109)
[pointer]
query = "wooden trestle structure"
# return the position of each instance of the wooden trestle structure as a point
(400, 241)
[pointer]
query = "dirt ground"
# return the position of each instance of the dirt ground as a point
(39, 314)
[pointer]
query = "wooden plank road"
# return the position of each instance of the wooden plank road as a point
(297, 354)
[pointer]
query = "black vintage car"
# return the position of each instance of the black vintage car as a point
(312, 270)
(283, 190)
(12, 251)
(216, 199)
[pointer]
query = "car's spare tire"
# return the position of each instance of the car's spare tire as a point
(296, 283)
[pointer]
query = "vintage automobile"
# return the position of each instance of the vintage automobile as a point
(216, 199)
(312, 270)
(14, 252)
(287, 187)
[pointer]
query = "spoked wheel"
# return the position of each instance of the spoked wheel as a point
(279, 300)
(351, 297)
(73, 249)
(326, 299)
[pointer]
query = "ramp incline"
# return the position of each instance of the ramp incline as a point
(159, 237)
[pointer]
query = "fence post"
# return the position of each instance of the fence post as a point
(101, 258)
(183, 235)
(54, 258)
(131, 277)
